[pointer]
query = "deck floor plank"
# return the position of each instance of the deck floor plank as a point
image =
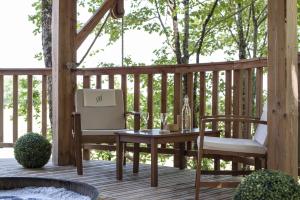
(173, 183)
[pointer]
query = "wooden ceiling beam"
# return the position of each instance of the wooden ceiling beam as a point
(93, 21)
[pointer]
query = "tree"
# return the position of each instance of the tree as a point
(245, 30)
(42, 20)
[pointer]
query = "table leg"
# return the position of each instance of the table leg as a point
(154, 169)
(120, 155)
(181, 157)
(136, 157)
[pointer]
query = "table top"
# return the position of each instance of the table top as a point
(159, 133)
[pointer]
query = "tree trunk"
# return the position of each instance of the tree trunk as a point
(241, 36)
(47, 46)
(255, 30)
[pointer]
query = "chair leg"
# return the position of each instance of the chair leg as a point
(78, 154)
(124, 159)
(257, 163)
(77, 143)
(198, 175)
(86, 154)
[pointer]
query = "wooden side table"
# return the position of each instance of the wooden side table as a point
(152, 137)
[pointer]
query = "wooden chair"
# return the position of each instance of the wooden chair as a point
(254, 148)
(94, 125)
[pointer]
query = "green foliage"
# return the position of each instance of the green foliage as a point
(268, 185)
(36, 18)
(32, 150)
(22, 96)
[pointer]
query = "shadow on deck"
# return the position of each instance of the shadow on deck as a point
(173, 183)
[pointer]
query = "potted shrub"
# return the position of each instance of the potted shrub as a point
(268, 185)
(32, 150)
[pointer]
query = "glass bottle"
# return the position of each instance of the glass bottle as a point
(186, 117)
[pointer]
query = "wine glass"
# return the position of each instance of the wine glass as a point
(145, 118)
(163, 119)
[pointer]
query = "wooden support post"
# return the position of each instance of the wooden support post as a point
(64, 52)
(283, 87)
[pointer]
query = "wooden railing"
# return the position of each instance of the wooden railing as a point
(234, 74)
(224, 78)
(30, 74)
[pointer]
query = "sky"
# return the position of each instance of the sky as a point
(18, 45)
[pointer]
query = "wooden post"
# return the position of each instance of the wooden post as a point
(283, 86)
(64, 52)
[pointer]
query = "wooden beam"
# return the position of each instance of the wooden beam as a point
(283, 87)
(93, 21)
(63, 51)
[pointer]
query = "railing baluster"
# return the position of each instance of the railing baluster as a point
(236, 108)
(249, 104)
(215, 108)
(163, 99)
(150, 101)
(190, 93)
(98, 82)
(177, 109)
(124, 90)
(44, 105)
(164, 91)
(1, 107)
(15, 107)
(136, 102)
(111, 81)
(228, 101)
(29, 103)
(177, 96)
(259, 91)
(236, 101)
(86, 82)
(215, 98)
(202, 100)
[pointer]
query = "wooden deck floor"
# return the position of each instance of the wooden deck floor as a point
(173, 183)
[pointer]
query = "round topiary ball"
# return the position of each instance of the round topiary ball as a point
(32, 150)
(268, 185)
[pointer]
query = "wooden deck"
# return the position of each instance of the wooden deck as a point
(173, 183)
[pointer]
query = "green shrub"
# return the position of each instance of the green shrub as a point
(32, 150)
(268, 185)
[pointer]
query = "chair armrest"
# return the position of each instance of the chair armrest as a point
(134, 113)
(75, 113)
(231, 118)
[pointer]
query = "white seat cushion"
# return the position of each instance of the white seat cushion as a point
(232, 145)
(100, 132)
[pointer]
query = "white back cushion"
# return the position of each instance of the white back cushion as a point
(96, 98)
(261, 132)
(101, 117)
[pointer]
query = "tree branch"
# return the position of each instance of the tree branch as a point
(200, 41)
(163, 26)
(185, 45)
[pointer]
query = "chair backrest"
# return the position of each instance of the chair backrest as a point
(106, 116)
(261, 132)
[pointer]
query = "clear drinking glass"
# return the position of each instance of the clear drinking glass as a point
(163, 119)
(145, 118)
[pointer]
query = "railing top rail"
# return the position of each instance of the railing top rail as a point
(25, 71)
(182, 68)
(152, 69)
